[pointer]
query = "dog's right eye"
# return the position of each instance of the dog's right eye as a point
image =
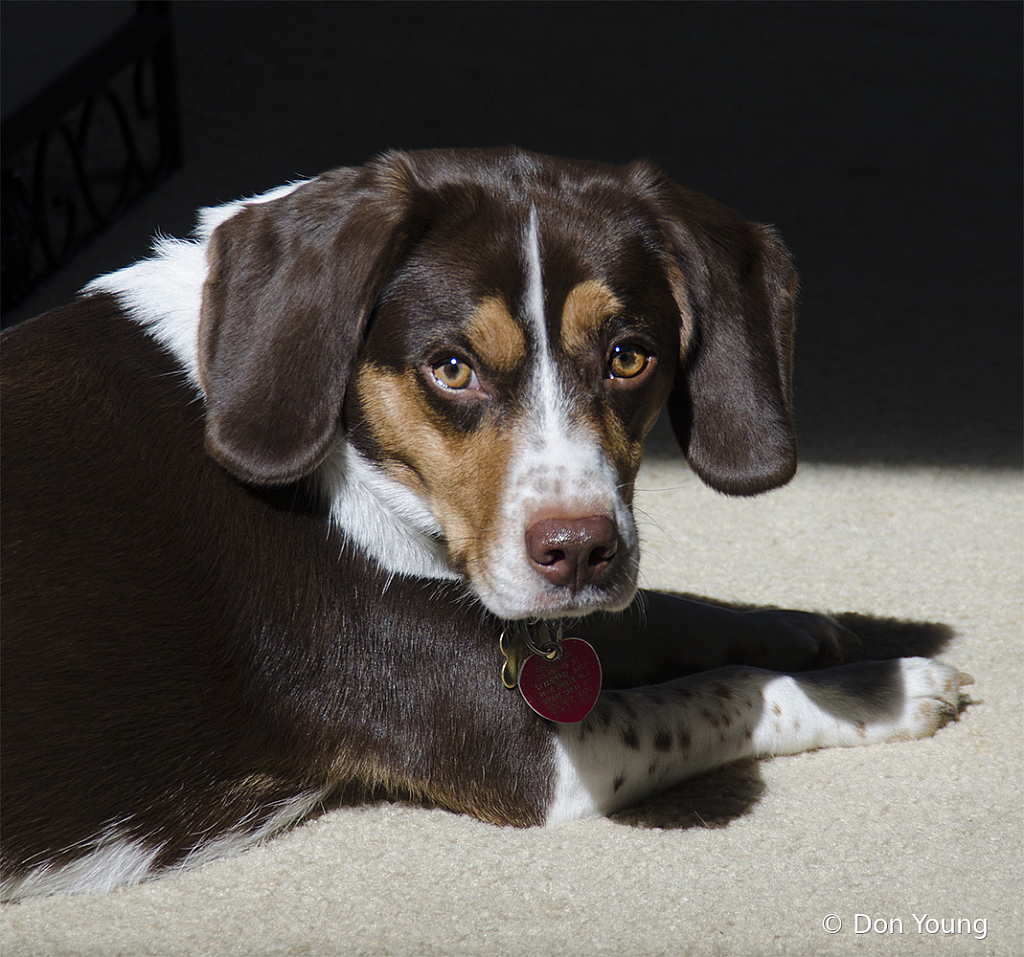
(455, 374)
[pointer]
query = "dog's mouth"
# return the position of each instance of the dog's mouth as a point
(551, 605)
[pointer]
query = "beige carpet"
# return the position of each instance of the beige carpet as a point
(784, 856)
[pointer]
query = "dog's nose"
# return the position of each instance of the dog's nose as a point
(572, 552)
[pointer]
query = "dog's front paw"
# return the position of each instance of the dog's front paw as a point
(933, 697)
(783, 640)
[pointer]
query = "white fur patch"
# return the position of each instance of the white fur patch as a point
(286, 813)
(112, 863)
(118, 861)
(382, 517)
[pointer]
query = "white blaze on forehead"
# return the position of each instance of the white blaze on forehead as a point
(550, 406)
(535, 283)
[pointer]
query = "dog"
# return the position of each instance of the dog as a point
(337, 495)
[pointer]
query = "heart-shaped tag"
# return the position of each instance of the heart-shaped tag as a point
(562, 689)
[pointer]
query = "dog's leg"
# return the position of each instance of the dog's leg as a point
(641, 741)
(664, 636)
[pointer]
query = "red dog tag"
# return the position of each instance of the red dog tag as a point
(565, 688)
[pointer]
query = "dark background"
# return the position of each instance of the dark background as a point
(883, 139)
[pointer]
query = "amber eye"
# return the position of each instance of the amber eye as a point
(627, 362)
(453, 373)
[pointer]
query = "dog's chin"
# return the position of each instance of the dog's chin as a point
(555, 603)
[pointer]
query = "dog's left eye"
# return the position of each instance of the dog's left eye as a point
(627, 362)
(456, 374)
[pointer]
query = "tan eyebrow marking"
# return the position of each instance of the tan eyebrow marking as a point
(587, 305)
(495, 336)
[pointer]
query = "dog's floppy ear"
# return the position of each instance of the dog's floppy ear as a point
(731, 406)
(291, 284)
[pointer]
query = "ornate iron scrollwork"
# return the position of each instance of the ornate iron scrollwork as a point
(86, 149)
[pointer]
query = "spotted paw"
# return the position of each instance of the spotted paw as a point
(933, 697)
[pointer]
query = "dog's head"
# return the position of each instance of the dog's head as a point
(488, 336)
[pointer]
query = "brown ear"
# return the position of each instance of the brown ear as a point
(290, 287)
(731, 407)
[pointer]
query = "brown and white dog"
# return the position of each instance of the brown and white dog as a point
(271, 496)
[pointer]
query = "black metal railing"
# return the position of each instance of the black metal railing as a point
(85, 149)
